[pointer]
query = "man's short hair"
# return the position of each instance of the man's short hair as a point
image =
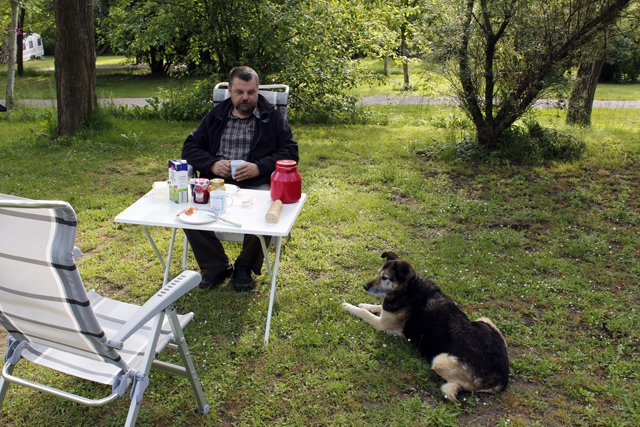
(244, 73)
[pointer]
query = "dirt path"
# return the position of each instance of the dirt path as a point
(423, 100)
(367, 100)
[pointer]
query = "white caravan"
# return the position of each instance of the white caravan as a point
(32, 47)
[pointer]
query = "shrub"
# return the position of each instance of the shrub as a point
(530, 143)
(623, 62)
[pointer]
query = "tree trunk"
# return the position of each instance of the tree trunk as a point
(156, 63)
(487, 136)
(11, 63)
(584, 90)
(403, 52)
(19, 41)
(75, 64)
(386, 64)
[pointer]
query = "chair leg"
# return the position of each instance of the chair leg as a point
(150, 354)
(4, 384)
(187, 362)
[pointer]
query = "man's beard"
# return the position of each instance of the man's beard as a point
(245, 108)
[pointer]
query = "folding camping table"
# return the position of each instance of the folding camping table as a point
(150, 211)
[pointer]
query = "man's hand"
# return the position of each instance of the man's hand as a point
(246, 171)
(222, 168)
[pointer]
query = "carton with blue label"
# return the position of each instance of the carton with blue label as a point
(178, 181)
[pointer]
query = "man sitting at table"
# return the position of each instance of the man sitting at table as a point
(243, 127)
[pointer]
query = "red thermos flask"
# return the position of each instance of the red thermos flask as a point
(286, 184)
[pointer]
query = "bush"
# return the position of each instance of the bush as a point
(623, 62)
(23, 113)
(528, 143)
(311, 105)
(533, 144)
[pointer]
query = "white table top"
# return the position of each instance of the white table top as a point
(163, 213)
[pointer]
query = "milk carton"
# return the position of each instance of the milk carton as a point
(178, 181)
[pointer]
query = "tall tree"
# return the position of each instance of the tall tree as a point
(506, 53)
(19, 41)
(307, 44)
(75, 64)
(404, 20)
(11, 63)
(584, 88)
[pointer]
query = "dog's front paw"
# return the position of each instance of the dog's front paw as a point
(371, 308)
(349, 307)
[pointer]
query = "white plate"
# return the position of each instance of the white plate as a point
(198, 217)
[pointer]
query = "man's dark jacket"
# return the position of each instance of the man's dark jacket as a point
(272, 141)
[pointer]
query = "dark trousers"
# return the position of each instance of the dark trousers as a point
(210, 254)
(212, 259)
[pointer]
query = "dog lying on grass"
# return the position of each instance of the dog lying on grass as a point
(470, 356)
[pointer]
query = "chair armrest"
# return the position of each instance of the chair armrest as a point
(166, 296)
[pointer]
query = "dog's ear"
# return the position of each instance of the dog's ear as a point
(402, 270)
(390, 256)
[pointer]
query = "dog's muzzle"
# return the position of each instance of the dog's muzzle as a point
(373, 290)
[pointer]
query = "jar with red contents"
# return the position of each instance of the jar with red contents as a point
(286, 184)
(201, 191)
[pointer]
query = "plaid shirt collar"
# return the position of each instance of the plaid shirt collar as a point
(256, 113)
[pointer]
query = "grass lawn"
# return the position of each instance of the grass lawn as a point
(549, 253)
(142, 84)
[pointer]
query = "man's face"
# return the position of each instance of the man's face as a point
(244, 96)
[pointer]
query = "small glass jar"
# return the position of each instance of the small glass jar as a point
(216, 183)
(286, 184)
(201, 191)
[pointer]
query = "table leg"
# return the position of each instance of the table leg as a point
(184, 252)
(268, 264)
(273, 295)
(166, 270)
(266, 256)
(166, 266)
(153, 245)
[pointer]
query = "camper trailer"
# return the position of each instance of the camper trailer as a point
(32, 47)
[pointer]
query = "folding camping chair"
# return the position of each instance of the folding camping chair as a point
(55, 323)
(276, 94)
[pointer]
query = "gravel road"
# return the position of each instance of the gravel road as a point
(367, 100)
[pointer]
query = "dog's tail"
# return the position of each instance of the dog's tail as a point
(490, 323)
(451, 390)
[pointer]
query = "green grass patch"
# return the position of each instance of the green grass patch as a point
(49, 60)
(618, 92)
(549, 253)
(109, 84)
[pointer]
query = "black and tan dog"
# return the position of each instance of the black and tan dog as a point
(470, 356)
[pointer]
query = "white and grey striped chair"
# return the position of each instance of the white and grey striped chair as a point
(55, 323)
(276, 94)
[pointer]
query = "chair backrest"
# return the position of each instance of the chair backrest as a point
(278, 95)
(42, 298)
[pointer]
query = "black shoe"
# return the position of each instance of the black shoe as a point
(213, 282)
(242, 280)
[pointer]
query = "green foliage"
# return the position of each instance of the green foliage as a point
(501, 56)
(533, 144)
(307, 45)
(526, 143)
(623, 62)
(22, 113)
(184, 103)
